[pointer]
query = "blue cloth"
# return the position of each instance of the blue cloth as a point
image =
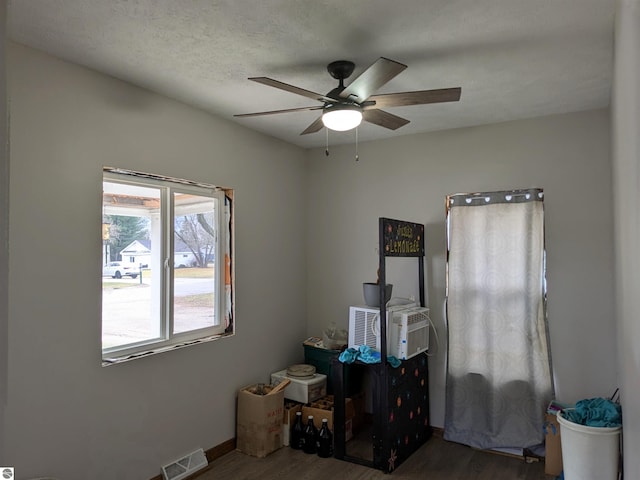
(595, 412)
(366, 354)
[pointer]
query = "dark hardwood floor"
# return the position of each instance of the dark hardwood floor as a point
(437, 459)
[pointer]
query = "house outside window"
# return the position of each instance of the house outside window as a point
(151, 222)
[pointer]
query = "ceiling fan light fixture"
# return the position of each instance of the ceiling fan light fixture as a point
(342, 117)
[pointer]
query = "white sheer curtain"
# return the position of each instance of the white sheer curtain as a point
(498, 367)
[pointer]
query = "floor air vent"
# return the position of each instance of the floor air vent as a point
(185, 466)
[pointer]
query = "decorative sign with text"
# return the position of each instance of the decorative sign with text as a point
(402, 239)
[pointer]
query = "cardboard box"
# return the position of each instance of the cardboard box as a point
(553, 447)
(323, 408)
(259, 422)
(290, 409)
(302, 390)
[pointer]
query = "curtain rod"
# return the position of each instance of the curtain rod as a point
(504, 196)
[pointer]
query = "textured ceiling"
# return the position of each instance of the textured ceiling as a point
(513, 58)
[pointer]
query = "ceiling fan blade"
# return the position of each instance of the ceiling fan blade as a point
(421, 97)
(372, 79)
(314, 127)
(291, 89)
(384, 119)
(288, 110)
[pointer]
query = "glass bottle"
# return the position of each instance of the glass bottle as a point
(296, 438)
(310, 436)
(325, 440)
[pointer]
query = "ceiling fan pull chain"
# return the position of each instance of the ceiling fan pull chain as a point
(326, 150)
(357, 156)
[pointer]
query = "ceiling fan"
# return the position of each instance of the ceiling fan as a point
(343, 108)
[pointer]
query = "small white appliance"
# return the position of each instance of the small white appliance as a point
(407, 329)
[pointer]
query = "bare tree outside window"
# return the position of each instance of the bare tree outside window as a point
(197, 233)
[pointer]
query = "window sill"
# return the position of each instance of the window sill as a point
(115, 359)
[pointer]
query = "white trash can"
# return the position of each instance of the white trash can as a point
(589, 453)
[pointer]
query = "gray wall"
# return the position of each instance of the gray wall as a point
(626, 168)
(408, 178)
(4, 226)
(66, 415)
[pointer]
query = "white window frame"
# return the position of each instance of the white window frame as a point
(167, 339)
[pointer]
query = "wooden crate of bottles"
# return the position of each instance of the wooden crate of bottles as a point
(323, 408)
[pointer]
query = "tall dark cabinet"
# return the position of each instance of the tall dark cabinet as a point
(400, 395)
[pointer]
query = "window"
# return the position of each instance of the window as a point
(167, 264)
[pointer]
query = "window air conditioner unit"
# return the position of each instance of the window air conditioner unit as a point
(407, 329)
